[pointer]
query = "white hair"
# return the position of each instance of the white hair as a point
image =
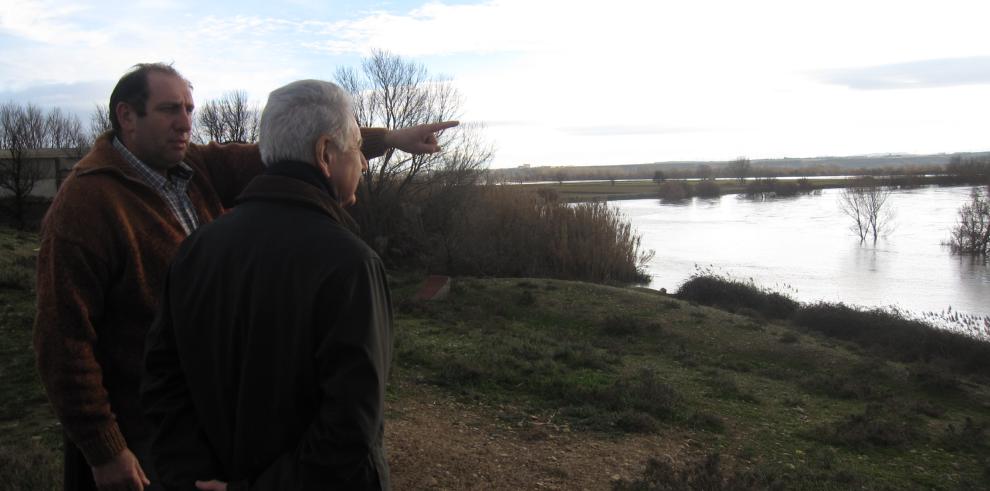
(297, 114)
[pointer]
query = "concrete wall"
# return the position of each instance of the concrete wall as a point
(53, 165)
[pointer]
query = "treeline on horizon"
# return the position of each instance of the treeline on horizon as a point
(964, 164)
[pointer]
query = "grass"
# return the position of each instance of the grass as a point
(782, 405)
(30, 439)
(772, 405)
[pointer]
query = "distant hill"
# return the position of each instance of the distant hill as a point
(785, 166)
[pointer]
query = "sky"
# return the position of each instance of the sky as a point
(563, 82)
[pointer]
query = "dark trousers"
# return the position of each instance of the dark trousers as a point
(77, 476)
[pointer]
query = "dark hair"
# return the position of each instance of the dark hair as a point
(132, 89)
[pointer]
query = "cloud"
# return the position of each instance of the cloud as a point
(78, 97)
(626, 129)
(47, 22)
(941, 72)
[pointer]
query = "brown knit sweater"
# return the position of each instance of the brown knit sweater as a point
(106, 243)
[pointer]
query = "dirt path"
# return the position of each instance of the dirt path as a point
(435, 442)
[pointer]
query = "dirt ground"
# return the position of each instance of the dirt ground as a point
(436, 442)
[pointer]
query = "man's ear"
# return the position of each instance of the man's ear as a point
(125, 115)
(324, 155)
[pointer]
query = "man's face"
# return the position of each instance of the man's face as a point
(347, 166)
(160, 137)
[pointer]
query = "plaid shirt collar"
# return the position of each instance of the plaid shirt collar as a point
(180, 175)
(172, 187)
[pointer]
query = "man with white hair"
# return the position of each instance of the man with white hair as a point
(266, 366)
(106, 243)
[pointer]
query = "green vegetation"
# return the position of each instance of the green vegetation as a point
(780, 404)
(678, 189)
(768, 404)
(971, 235)
(30, 439)
(499, 231)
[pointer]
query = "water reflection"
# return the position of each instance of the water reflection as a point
(805, 242)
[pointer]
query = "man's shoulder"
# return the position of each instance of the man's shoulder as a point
(205, 153)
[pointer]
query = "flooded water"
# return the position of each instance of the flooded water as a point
(803, 246)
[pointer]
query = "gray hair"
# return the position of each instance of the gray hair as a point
(299, 113)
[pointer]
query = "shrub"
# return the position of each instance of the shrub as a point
(879, 425)
(643, 392)
(16, 279)
(526, 298)
(771, 187)
(970, 436)
(726, 388)
(929, 409)
(716, 290)
(622, 325)
(707, 189)
(30, 466)
(895, 336)
(705, 475)
(843, 386)
(706, 421)
(585, 356)
(636, 422)
(935, 380)
(972, 234)
(507, 232)
(674, 190)
(789, 338)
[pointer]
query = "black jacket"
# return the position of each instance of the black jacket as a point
(267, 363)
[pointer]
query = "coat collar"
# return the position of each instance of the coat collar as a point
(103, 157)
(291, 189)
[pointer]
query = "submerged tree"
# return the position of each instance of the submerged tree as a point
(739, 168)
(972, 234)
(866, 203)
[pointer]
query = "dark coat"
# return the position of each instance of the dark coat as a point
(268, 361)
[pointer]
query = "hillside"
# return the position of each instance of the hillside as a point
(533, 383)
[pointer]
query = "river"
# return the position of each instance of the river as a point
(803, 246)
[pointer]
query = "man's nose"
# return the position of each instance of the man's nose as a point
(364, 164)
(184, 122)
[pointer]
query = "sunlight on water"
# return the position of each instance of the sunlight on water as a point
(803, 246)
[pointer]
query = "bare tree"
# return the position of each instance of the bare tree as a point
(865, 202)
(704, 171)
(739, 168)
(465, 162)
(22, 130)
(64, 131)
(972, 234)
(391, 92)
(229, 118)
(99, 122)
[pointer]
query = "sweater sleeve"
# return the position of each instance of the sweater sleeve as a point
(71, 282)
(373, 142)
(342, 446)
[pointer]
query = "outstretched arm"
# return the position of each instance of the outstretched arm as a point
(418, 139)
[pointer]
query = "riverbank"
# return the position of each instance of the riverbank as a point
(532, 383)
(645, 189)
